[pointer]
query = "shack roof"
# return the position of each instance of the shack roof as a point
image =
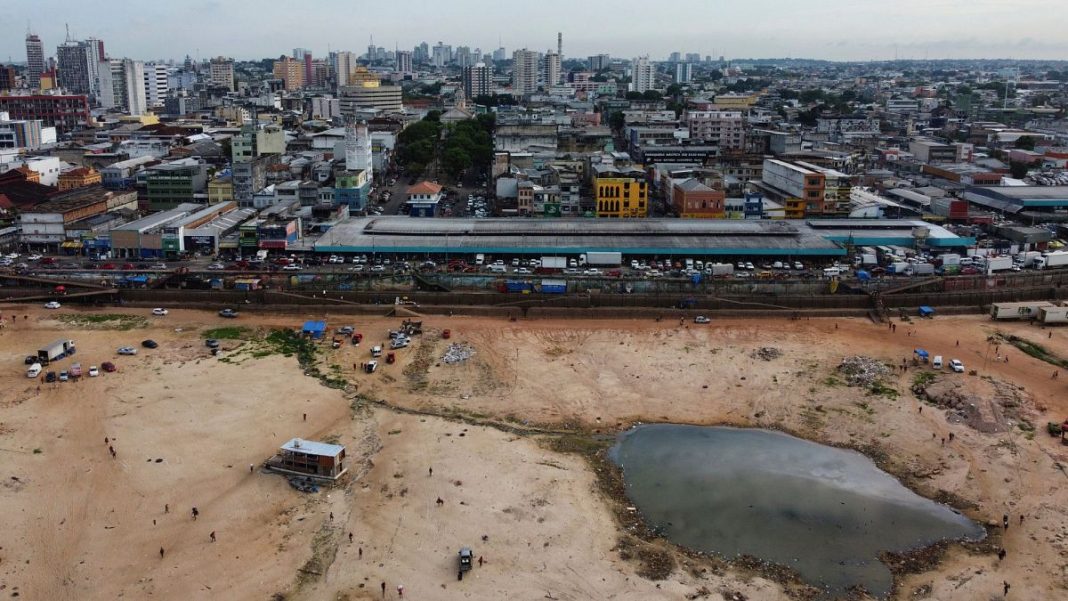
(310, 447)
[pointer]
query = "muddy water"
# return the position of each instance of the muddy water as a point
(825, 512)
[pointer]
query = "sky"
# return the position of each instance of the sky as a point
(822, 29)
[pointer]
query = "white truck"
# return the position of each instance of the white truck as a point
(715, 269)
(1027, 259)
(949, 259)
(603, 259)
(1048, 260)
(1023, 310)
(999, 264)
(920, 269)
(553, 263)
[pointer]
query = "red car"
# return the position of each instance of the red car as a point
(108, 266)
(969, 271)
(127, 266)
(107, 366)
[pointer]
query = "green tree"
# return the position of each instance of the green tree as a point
(616, 120)
(1025, 143)
(651, 95)
(455, 161)
(1018, 169)
(433, 116)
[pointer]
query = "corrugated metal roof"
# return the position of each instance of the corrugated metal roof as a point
(310, 447)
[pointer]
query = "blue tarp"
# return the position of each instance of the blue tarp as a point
(315, 329)
(863, 276)
(926, 311)
(922, 354)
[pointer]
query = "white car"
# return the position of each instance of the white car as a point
(93, 371)
(749, 266)
(33, 258)
(956, 365)
(293, 267)
(127, 350)
(159, 266)
(52, 305)
(216, 266)
(523, 271)
(701, 319)
(159, 311)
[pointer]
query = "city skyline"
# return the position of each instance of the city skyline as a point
(839, 30)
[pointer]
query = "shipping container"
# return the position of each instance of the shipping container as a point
(608, 259)
(517, 286)
(720, 269)
(56, 350)
(1024, 310)
(999, 264)
(550, 263)
(1048, 260)
(1053, 314)
(553, 286)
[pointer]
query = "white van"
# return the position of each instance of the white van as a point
(832, 272)
(937, 362)
(34, 370)
(376, 351)
(498, 269)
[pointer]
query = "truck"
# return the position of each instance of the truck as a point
(1048, 260)
(604, 259)
(553, 264)
(715, 269)
(898, 268)
(948, 259)
(1002, 264)
(1027, 259)
(553, 286)
(1053, 314)
(1023, 310)
(867, 260)
(57, 350)
(920, 269)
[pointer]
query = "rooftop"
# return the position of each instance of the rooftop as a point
(310, 447)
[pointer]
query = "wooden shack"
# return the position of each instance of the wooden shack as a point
(318, 460)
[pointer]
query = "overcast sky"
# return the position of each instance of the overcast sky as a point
(827, 29)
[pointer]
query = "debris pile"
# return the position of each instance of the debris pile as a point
(766, 353)
(458, 352)
(863, 371)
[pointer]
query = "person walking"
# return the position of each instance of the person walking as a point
(166, 508)
(195, 514)
(161, 552)
(1006, 587)
(359, 553)
(1001, 554)
(383, 590)
(305, 417)
(350, 538)
(1005, 521)
(212, 535)
(400, 590)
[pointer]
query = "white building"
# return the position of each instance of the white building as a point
(343, 67)
(552, 69)
(476, 81)
(404, 62)
(525, 72)
(155, 82)
(48, 168)
(724, 128)
(25, 134)
(642, 75)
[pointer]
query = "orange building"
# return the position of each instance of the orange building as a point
(693, 200)
(290, 71)
(78, 178)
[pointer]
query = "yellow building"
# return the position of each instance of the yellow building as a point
(620, 192)
(221, 189)
(291, 72)
(740, 102)
(361, 76)
(78, 178)
(144, 119)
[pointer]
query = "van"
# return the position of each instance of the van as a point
(376, 351)
(34, 370)
(937, 362)
(480, 259)
(832, 272)
(498, 269)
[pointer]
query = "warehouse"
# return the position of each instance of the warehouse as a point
(633, 238)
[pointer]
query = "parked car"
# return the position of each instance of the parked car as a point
(346, 330)
(127, 350)
(30, 359)
(701, 319)
(956, 365)
(159, 311)
(34, 370)
(159, 266)
(211, 343)
(50, 377)
(93, 371)
(52, 305)
(107, 366)
(230, 313)
(33, 258)
(64, 376)
(149, 343)
(216, 266)
(293, 267)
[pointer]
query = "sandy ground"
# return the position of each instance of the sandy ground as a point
(82, 525)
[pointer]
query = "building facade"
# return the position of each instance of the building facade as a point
(62, 112)
(35, 61)
(291, 72)
(476, 81)
(643, 75)
(156, 84)
(74, 71)
(524, 72)
(221, 72)
(620, 192)
(724, 128)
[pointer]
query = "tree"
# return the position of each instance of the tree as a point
(433, 116)
(633, 96)
(616, 120)
(1018, 169)
(651, 95)
(455, 161)
(1025, 143)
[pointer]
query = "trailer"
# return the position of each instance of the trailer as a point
(948, 259)
(553, 263)
(604, 259)
(920, 269)
(720, 269)
(898, 268)
(56, 350)
(1048, 260)
(1027, 259)
(1024, 310)
(1053, 315)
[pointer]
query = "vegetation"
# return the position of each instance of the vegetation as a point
(417, 143)
(227, 333)
(469, 144)
(922, 379)
(1018, 169)
(1036, 350)
(1025, 142)
(103, 321)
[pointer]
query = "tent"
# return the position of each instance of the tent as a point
(922, 354)
(926, 311)
(315, 329)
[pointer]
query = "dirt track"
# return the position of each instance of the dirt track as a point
(81, 523)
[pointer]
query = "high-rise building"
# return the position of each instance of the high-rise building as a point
(35, 61)
(675, 57)
(525, 71)
(309, 70)
(155, 82)
(291, 72)
(683, 72)
(222, 72)
(422, 53)
(7, 77)
(693, 57)
(500, 54)
(343, 67)
(96, 55)
(73, 64)
(642, 74)
(122, 86)
(600, 61)
(133, 73)
(476, 81)
(404, 61)
(298, 54)
(463, 57)
(442, 55)
(552, 69)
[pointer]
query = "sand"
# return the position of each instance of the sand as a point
(80, 524)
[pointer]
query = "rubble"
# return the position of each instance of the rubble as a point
(863, 371)
(457, 353)
(766, 353)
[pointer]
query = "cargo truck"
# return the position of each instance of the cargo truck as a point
(999, 264)
(715, 269)
(604, 259)
(1049, 260)
(1024, 310)
(920, 269)
(553, 264)
(1027, 259)
(56, 350)
(898, 268)
(948, 259)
